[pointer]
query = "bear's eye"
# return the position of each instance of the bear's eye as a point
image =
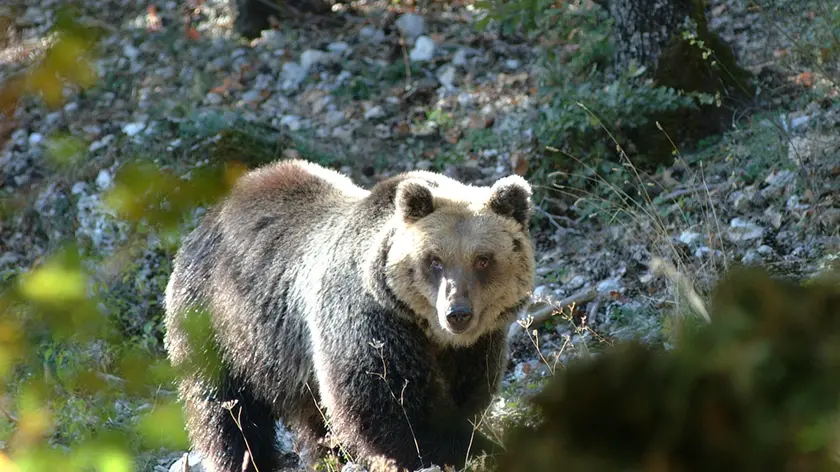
(482, 262)
(436, 263)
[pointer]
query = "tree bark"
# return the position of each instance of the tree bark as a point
(643, 28)
(650, 34)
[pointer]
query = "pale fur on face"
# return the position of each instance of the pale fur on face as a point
(457, 231)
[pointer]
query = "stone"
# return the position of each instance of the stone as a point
(292, 122)
(375, 112)
(411, 25)
(742, 230)
(446, 76)
(460, 57)
(104, 179)
(291, 76)
(335, 117)
(193, 459)
(338, 47)
(132, 129)
(424, 49)
(313, 57)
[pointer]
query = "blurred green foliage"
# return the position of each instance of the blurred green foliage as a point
(74, 357)
(757, 389)
(584, 94)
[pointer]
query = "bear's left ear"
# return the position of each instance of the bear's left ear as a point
(511, 196)
(413, 200)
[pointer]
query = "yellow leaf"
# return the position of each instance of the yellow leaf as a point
(53, 283)
(164, 427)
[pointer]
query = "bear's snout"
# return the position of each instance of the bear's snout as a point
(458, 318)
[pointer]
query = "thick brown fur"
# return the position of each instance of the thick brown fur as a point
(317, 289)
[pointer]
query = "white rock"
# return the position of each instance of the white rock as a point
(273, 38)
(131, 52)
(194, 461)
(313, 57)
(446, 76)
(104, 180)
(35, 139)
(132, 129)
(465, 99)
(291, 121)
(793, 204)
(78, 188)
(351, 467)
(71, 107)
(424, 49)
(688, 237)
(460, 57)
(335, 117)
(541, 292)
(252, 96)
(263, 82)
(52, 118)
(799, 121)
(609, 285)
(338, 47)
(742, 230)
(101, 143)
(512, 64)
(382, 131)
(411, 25)
(751, 257)
(780, 178)
(423, 164)
(344, 132)
(576, 282)
(372, 34)
(375, 112)
(292, 75)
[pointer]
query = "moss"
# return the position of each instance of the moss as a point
(703, 64)
(754, 390)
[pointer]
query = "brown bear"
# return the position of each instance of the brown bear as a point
(381, 311)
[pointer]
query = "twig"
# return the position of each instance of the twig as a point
(551, 218)
(237, 419)
(662, 267)
(687, 191)
(592, 312)
(12, 418)
(406, 61)
(547, 312)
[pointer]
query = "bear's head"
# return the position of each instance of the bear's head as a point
(461, 256)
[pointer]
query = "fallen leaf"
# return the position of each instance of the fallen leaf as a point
(519, 162)
(153, 21)
(806, 79)
(453, 135)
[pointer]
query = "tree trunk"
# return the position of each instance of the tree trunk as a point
(650, 34)
(643, 28)
(251, 16)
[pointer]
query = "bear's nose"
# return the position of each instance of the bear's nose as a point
(458, 318)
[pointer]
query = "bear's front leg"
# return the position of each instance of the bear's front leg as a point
(385, 397)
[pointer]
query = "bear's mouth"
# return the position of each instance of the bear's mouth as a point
(459, 321)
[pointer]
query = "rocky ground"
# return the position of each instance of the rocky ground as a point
(383, 90)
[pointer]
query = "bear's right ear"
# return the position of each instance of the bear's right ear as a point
(511, 196)
(413, 200)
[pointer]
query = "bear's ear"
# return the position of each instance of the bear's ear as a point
(511, 196)
(413, 200)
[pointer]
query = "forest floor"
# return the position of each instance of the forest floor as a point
(345, 91)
